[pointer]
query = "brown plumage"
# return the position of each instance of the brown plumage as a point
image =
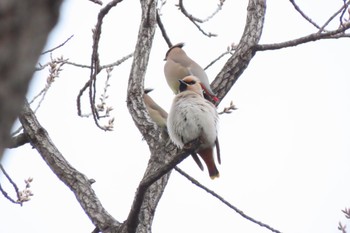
(178, 65)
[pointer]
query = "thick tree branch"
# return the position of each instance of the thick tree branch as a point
(147, 197)
(76, 181)
(245, 50)
(24, 27)
(149, 178)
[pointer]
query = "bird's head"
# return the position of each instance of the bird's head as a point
(191, 83)
(174, 49)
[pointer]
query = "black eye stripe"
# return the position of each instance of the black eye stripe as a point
(191, 82)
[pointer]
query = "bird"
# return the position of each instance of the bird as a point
(159, 116)
(156, 112)
(192, 117)
(178, 65)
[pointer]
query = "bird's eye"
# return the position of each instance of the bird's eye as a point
(191, 82)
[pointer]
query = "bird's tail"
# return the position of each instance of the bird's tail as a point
(207, 156)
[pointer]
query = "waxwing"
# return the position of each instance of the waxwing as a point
(156, 112)
(192, 117)
(159, 116)
(178, 65)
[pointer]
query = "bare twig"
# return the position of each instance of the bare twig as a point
(54, 71)
(240, 212)
(229, 50)
(5, 194)
(333, 16)
(59, 46)
(99, 2)
(297, 8)
(13, 185)
(338, 33)
(162, 29)
(228, 109)
(95, 64)
(346, 211)
(346, 6)
(113, 64)
(194, 20)
(342, 227)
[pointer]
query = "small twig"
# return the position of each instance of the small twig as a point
(342, 14)
(240, 212)
(333, 16)
(95, 64)
(342, 227)
(118, 62)
(228, 109)
(162, 29)
(99, 2)
(229, 50)
(346, 211)
(13, 184)
(193, 19)
(338, 33)
(5, 194)
(59, 46)
(87, 84)
(54, 72)
(297, 8)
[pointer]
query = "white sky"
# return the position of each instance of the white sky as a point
(285, 151)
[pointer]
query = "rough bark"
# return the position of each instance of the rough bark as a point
(24, 27)
(245, 50)
(73, 179)
(142, 211)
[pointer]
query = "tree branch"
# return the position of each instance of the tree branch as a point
(72, 178)
(342, 9)
(245, 50)
(151, 177)
(194, 20)
(13, 185)
(297, 8)
(59, 46)
(95, 64)
(339, 33)
(146, 200)
(18, 141)
(214, 194)
(162, 29)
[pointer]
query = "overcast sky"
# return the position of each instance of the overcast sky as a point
(285, 151)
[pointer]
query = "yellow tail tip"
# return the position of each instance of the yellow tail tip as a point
(215, 176)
